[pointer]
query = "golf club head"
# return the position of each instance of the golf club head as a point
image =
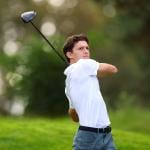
(28, 16)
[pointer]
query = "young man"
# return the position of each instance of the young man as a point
(86, 104)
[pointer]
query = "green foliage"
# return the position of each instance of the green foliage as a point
(119, 34)
(44, 81)
(36, 75)
(122, 41)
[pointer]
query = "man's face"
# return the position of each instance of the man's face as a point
(79, 51)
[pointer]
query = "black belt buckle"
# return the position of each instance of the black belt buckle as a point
(104, 130)
(100, 130)
(108, 129)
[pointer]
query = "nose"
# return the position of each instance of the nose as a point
(86, 50)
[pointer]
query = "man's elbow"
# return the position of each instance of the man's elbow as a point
(110, 70)
(114, 69)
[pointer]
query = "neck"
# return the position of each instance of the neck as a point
(72, 61)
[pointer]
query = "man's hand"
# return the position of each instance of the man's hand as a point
(106, 70)
(73, 114)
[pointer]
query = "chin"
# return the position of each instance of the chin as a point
(85, 58)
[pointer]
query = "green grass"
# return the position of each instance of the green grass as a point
(35, 134)
(57, 134)
(133, 119)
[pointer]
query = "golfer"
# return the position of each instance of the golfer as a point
(86, 104)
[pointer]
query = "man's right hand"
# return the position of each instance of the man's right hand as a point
(73, 114)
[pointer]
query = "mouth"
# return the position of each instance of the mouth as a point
(85, 56)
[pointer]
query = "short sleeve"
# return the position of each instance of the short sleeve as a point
(70, 103)
(89, 66)
(69, 100)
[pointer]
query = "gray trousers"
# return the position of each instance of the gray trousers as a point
(86, 140)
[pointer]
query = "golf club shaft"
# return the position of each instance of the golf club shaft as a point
(49, 43)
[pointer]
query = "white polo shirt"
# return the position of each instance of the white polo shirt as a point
(83, 92)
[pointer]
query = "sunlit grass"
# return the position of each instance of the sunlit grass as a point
(131, 119)
(57, 134)
(131, 141)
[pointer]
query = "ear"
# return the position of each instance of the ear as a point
(69, 55)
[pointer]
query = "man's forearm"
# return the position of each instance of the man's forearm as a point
(73, 114)
(106, 70)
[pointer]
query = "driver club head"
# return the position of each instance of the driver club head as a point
(28, 16)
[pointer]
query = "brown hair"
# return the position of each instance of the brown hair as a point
(71, 41)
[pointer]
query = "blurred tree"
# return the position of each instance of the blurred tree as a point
(130, 29)
(118, 32)
(43, 81)
(139, 10)
(36, 75)
(42, 77)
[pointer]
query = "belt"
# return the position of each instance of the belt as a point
(96, 130)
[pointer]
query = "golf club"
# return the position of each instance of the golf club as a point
(27, 17)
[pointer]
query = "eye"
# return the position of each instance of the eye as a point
(87, 48)
(81, 48)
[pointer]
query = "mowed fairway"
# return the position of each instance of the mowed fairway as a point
(57, 134)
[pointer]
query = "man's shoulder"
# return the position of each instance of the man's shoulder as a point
(86, 61)
(80, 65)
(67, 70)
